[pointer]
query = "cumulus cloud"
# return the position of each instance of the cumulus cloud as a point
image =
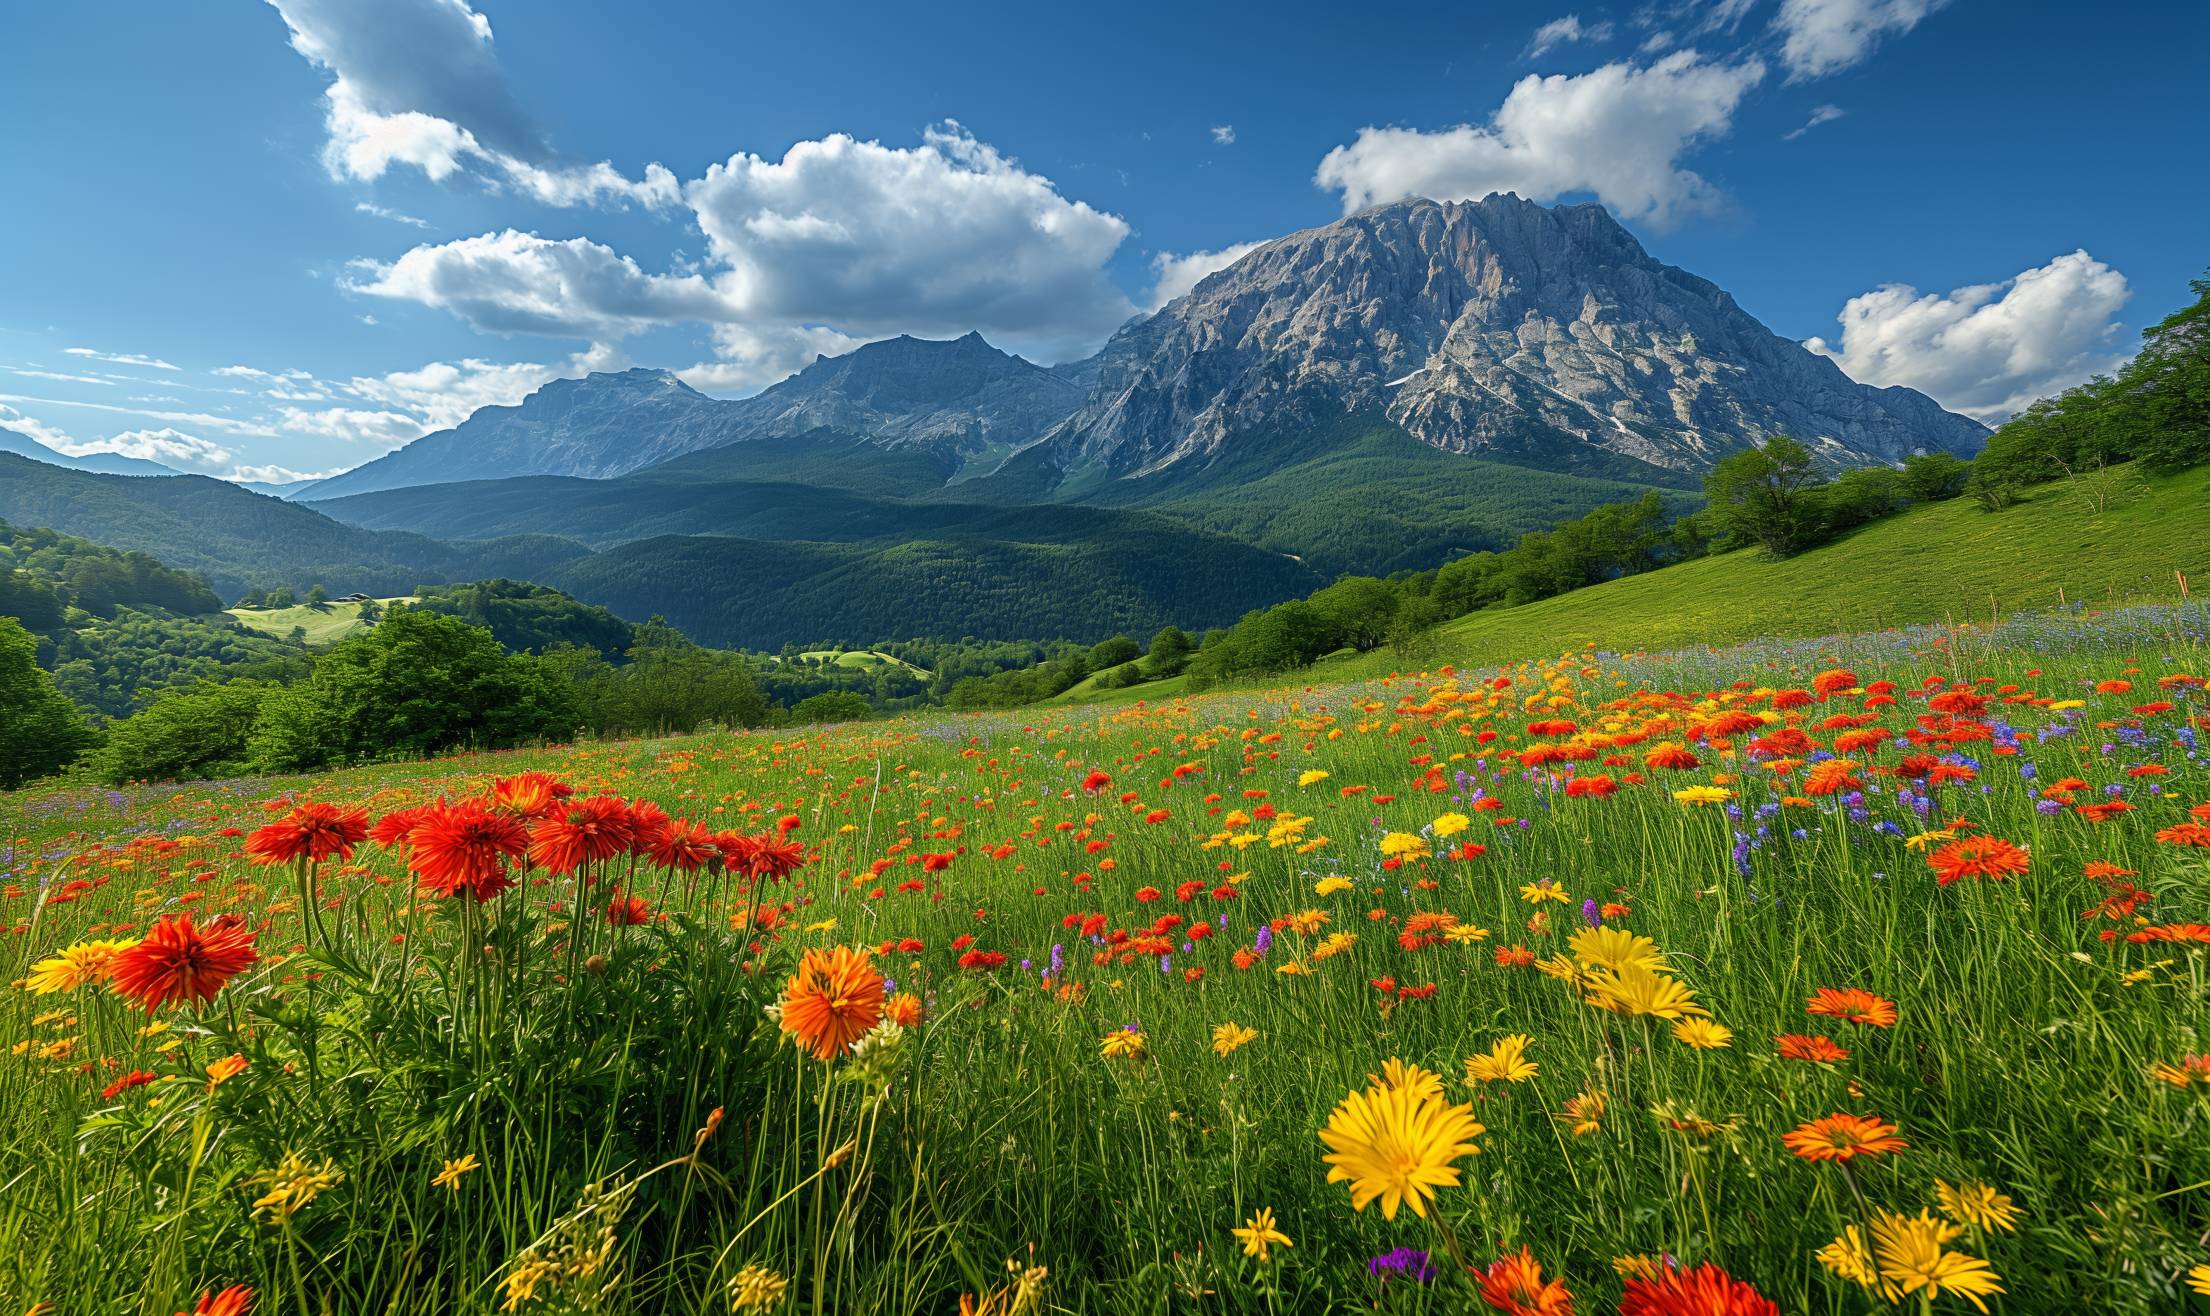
(932, 240)
(748, 359)
(120, 358)
(1224, 134)
(1819, 37)
(1175, 275)
(1990, 349)
(171, 447)
(1562, 31)
(442, 394)
(511, 282)
(1618, 132)
(12, 419)
(1819, 114)
(415, 83)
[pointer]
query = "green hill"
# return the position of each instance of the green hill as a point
(1945, 561)
(324, 623)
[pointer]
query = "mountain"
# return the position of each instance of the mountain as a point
(103, 463)
(596, 426)
(1541, 335)
(962, 398)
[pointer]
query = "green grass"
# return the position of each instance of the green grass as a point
(324, 623)
(1948, 562)
(864, 659)
(640, 1132)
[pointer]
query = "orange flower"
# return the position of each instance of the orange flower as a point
(2186, 833)
(178, 962)
(1842, 1137)
(530, 794)
(1703, 1291)
(1986, 858)
(314, 830)
(1821, 1050)
(465, 847)
(1832, 776)
(905, 1010)
(1515, 1285)
(833, 999)
(1854, 1004)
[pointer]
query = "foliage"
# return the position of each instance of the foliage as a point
(529, 618)
(202, 731)
(40, 730)
(417, 684)
(113, 667)
(664, 685)
(832, 706)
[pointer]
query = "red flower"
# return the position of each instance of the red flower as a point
(592, 831)
(233, 1301)
(628, 911)
(466, 847)
(136, 1078)
(314, 830)
(682, 845)
(1703, 1291)
(1988, 858)
(531, 794)
(1096, 782)
(394, 829)
(178, 962)
(1515, 1284)
(774, 857)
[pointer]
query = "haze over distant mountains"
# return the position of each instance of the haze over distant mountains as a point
(103, 463)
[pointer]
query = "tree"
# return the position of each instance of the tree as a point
(832, 706)
(198, 732)
(1360, 608)
(1933, 477)
(417, 684)
(1169, 653)
(2172, 378)
(40, 730)
(317, 597)
(1759, 496)
(1114, 652)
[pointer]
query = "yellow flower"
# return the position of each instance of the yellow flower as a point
(450, 1176)
(1328, 886)
(1924, 839)
(2198, 1279)
(1230, 1037)
(1397, 1144)
(86, 964)
(1636, 990)
(1465, 934)
(1122, 1042)
(1615, 948)
(1698, 796)
(1640, 1265)
(756, 1288)
(1335, 944)
(1534, 893)
(1585, 1113)
(1307, 922)
(1311, 777)
(1403, 845)
(1978, 1205)
(1397, 1073)
(1259, 1233)
(1703, 1034)
(1912, 1259)
(1848, 1257)
(291, 1186)
(1450, 824)
(1506, 1062)
(223, 1070)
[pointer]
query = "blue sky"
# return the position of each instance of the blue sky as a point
(266, 239)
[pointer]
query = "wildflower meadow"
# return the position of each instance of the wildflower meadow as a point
(1850, 976)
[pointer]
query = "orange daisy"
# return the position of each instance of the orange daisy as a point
(1843, 1137)
(833, 999)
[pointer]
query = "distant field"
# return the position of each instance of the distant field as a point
(861, 658)
(324, 623)
(1949, 561)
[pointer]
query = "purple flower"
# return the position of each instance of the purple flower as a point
(1265, 939)
(1592, 914)
(1410, 1262)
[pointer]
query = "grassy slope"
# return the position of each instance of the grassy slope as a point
(326, 624)
(863, 658)
(1950, 560)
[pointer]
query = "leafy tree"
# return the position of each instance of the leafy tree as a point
(40, 730)
(1360, 609)
(1933, 477)
(1169, 653)
(832, 706)
(417, 684)
(317, 597)
(1113, 652)
(202, 731)
(1759, 496)
(2171, 379)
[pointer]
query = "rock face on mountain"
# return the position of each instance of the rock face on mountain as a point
(597, 426)
(1495, 327)
(963, 396)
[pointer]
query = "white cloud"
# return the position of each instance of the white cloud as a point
(15, 420)
(1819, 37)
(749, 359)
(511, 282)
(415, 83)
(170, 447)
(1819, 114)
(1990, 349)
(385, 212)
(442, 394)
(265, 474)
(386, 429)
(1561, 31)
(933, 240)
(1175, 275)
(120, 358)
(1224, 134)
(1618, 132)
(59, 377)
(227, 424)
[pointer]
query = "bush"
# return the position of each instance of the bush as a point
(201, 732)
(832, 706)
(40, 730)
